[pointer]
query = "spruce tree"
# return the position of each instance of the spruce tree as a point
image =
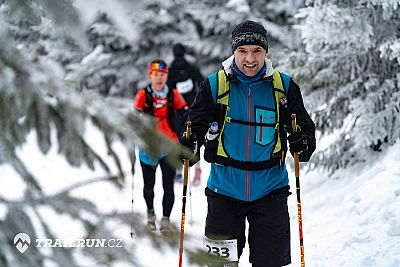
(109, 67)
(215, 20)
(351, 67)
(38, 39)
(203, 27)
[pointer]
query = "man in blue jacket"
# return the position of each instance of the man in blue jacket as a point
(251, 103)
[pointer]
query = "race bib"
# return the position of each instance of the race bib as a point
(226, 249)
(185, 86)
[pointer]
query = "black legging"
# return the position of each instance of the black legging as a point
(149, 178)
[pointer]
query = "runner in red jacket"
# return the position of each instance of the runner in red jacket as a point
(162, 103)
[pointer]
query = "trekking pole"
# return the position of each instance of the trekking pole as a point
(191, 221)
(133, 160)
(297, 174)
(132, 213)
(185, 183)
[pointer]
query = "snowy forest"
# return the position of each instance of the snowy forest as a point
(69, 70)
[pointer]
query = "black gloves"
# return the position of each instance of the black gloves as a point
(190, 144)
(301, 143)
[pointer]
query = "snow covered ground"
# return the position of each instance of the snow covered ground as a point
(351, 218)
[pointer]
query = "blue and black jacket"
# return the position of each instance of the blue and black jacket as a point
(248, 143)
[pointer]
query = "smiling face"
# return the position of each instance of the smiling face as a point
(158, 80)
(250, 59)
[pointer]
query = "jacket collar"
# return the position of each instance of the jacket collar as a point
(160, 94)
(228, 67)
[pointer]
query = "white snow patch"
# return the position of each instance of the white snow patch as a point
(351, 218)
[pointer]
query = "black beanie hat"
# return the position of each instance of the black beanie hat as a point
(179, 50)
(249, 33)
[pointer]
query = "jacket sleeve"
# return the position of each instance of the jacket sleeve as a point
(179, 101)
(197, 76)
(304, 121)
(181, 111)
(201, 113)
(140, 101)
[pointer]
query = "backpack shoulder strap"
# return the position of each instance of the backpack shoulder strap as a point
(278, 83)
(221, 107)
(223, 88)
(280, 88)
(171, 111)
(219, 87)
(170, 97)
(149, 108)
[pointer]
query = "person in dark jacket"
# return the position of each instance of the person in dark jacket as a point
(249, 103)
(186, 78)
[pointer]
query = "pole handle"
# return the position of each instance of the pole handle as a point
(186, 161)
(188, 129)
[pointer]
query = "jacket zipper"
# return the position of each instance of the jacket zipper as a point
(248, 144)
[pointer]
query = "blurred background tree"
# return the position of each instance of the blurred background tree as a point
(350, 70)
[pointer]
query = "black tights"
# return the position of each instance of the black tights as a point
(149, 178)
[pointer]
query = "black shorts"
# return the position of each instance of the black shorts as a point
(269, 229)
